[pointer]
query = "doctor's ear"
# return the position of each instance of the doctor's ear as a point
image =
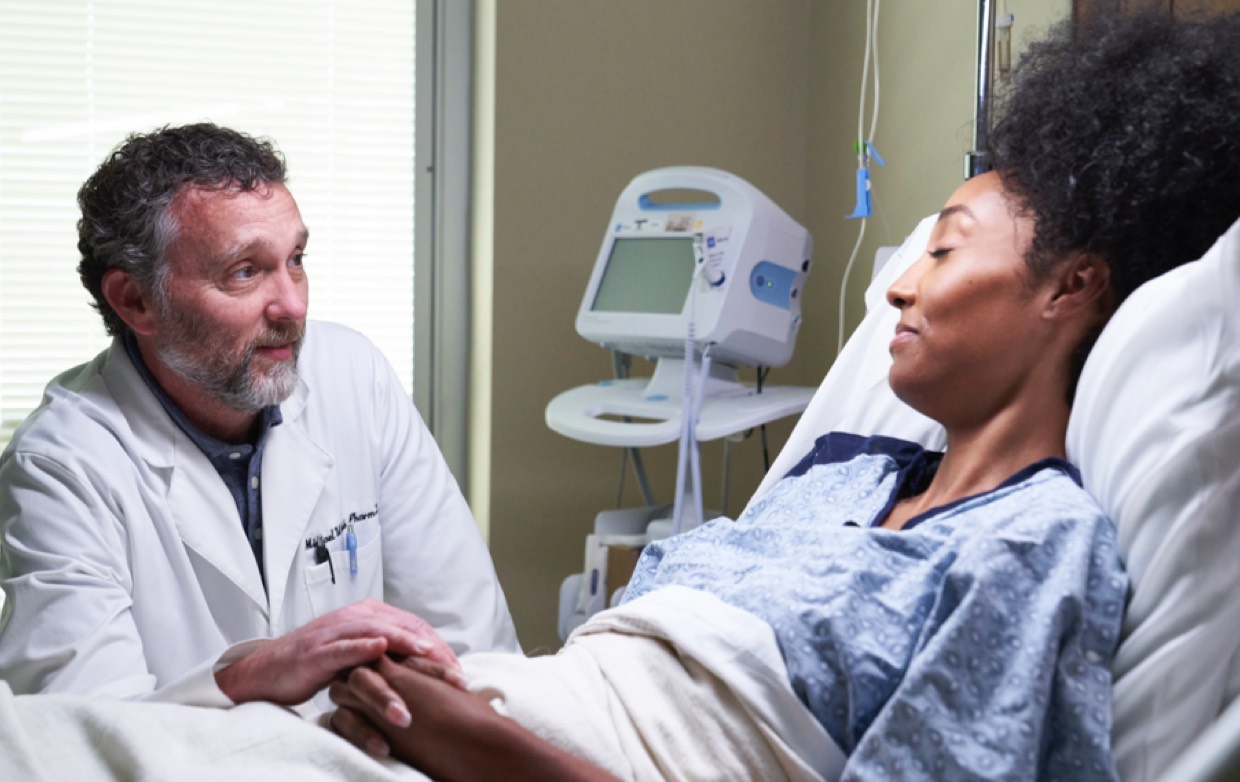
(1080, 284)
(130, 301)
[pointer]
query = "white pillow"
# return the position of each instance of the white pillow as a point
(854, 396)
(1155, 431)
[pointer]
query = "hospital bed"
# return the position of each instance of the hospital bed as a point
(1155, 430)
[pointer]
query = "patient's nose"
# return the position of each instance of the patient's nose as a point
(904, 290)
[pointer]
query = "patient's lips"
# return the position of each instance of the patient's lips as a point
(904, 333)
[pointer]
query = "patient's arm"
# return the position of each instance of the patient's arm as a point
(455, 735)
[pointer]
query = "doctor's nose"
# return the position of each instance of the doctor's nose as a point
(289, 298)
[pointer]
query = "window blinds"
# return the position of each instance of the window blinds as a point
(332, 83)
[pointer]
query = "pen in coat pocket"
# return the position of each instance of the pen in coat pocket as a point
(350, 542)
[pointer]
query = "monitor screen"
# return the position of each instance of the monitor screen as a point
(646, 275)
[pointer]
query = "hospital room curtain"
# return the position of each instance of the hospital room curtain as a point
(331, 82)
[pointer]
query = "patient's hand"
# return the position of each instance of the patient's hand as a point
(454, 734)
(435, 696)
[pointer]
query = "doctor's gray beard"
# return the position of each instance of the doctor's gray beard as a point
(190, 349)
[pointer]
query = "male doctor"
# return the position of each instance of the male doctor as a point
(229, 503)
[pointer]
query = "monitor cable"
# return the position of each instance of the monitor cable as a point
(620, 364)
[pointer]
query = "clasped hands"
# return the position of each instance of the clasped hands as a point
(290, 669)
(379, 660)
(455, 735)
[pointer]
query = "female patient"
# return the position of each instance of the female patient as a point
(940, 616)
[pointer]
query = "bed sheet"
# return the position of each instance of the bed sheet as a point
(63, 737)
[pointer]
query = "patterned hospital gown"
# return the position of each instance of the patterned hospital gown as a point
(975, 643)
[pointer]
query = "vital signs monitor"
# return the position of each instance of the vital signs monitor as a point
(691, 247)
(703, 273)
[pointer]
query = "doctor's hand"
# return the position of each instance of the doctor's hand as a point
(291, 669)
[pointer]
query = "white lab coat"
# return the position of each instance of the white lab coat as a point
(125, 566)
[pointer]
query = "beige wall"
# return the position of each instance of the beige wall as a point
(927, 57)
(589, 94)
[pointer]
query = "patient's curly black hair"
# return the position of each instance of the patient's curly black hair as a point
(1123, 139)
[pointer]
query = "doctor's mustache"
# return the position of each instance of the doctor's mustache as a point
(279, 335)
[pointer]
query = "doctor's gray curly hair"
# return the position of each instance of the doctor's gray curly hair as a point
(1123, 139)
(126, 218)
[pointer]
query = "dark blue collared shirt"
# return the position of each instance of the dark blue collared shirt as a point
(238, 464)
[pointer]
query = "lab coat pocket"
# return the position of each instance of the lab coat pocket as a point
(333, 584)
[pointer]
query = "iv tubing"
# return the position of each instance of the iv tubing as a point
(871, 52)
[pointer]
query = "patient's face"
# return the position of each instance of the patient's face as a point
(969, 316)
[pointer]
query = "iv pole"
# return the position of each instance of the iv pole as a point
(975, 161)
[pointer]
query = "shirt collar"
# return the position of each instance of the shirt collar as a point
(213, 447)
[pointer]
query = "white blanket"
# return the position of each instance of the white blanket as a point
(677, 685)
(60, 738)
(680, 686)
